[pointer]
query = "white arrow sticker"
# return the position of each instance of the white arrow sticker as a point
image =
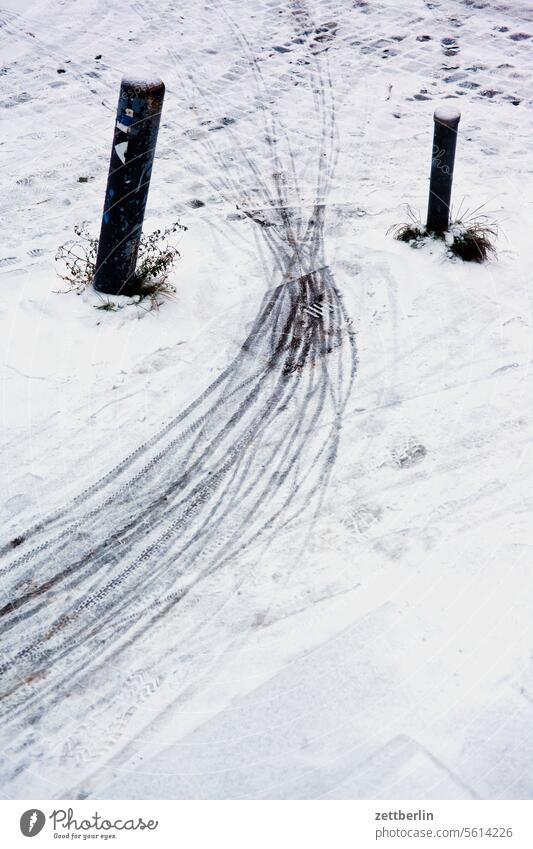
(121, 151)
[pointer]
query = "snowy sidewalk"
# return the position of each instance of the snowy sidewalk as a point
(379, 644)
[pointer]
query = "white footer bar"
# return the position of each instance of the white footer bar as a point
(268, 824)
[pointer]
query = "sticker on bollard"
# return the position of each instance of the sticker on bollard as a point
(132, 155)
(446, 120)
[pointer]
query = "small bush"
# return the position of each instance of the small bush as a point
(157, 255)
(77, 260)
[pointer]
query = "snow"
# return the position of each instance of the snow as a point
(343, 610)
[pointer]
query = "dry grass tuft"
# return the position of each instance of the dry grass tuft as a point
(475, 243)
(470, 237)
(473, 235)
(411, 231)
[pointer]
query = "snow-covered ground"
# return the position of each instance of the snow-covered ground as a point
(330, 593)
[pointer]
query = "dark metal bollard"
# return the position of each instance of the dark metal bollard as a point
(443, 156)
(132, 156)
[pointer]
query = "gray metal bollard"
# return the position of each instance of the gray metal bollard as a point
(132, 155)
(446, 120)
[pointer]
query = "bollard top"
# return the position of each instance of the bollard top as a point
(143, 83)
(447, 115)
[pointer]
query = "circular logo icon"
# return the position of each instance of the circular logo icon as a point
(32, 822)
